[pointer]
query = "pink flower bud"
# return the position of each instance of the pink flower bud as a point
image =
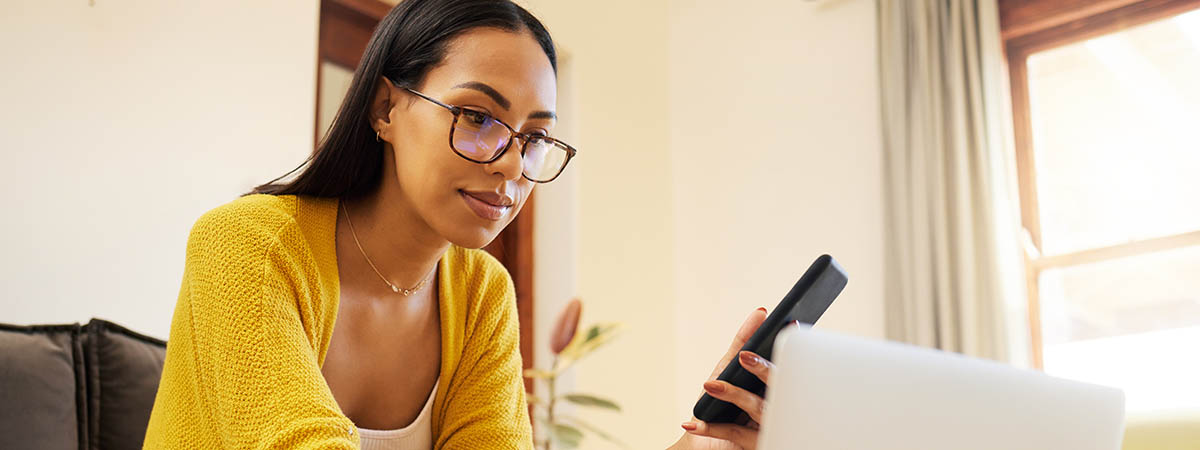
(564, 330)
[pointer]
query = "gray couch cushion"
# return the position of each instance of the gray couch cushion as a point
(123, 372)
(41, 388)
(72, 387)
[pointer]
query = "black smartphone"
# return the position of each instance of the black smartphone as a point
(806, 302)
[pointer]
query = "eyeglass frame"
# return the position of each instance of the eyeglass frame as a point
(512, 135)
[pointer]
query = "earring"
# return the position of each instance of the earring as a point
(377, 138)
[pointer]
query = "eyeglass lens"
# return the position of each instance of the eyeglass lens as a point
(480, 137)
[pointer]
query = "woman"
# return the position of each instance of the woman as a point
(352, 305)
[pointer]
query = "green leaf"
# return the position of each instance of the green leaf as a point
(533, 399)
(593, 401)
(540, 374)
(595, 430)
(594, 332)
(567, 435)
(596, 336)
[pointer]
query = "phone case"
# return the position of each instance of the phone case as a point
(805, 302)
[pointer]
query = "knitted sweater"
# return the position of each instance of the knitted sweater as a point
(253, 322)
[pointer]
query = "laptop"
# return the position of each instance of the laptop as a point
(832, 391)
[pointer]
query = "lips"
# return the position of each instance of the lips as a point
(487, 204)
(491, 198)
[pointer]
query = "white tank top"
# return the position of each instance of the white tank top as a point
(418, 435)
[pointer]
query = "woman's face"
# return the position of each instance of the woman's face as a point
(502, 73)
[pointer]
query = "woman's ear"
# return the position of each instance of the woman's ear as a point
(381, 104)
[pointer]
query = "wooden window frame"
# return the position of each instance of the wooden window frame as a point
(345, 28)
(1031, 26)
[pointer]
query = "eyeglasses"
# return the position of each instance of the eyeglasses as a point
(478, 137)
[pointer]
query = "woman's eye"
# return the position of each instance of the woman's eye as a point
(475, 117)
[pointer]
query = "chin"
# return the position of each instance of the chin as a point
(464, 229)
(473, 240)
(470, 235)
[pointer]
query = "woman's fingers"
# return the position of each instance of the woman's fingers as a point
(748, 401)
(743, 437)
(743, 334)
(756, 365)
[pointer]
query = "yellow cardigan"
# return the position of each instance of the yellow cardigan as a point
(253, 323)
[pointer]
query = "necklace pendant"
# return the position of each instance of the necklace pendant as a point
(394, 288)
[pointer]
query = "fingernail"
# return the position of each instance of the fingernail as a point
(747, 359)
(690, 426)
(714, 387)
(762, 309)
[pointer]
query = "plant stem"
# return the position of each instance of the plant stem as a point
(550, 406)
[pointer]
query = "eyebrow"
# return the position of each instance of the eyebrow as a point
(501, 100)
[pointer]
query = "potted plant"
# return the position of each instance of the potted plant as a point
(568, 347)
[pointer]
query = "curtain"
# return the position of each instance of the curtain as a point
(954, 275)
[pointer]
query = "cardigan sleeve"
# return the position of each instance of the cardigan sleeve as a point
(256, 372)
(488, 408)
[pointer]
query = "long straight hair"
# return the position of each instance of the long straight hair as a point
(405, 46)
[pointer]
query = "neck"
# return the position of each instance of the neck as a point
(397, 240)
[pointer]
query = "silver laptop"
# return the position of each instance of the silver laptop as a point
(832, 391)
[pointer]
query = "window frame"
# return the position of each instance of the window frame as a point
(1032, 26)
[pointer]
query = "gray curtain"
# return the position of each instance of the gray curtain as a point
(953, 270)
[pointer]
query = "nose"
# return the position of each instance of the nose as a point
(511, 164)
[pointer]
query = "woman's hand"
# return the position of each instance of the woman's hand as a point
(727, 436)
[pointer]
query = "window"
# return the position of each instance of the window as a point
(1107, 120)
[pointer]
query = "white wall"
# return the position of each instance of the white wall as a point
(776, 155)
(723, 147)
(624, 264)
(121, 124)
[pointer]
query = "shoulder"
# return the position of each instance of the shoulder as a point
(250, 213)
(244, 225)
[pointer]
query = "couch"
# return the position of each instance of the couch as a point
(86, 387)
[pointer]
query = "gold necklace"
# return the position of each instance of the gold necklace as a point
(396, 289)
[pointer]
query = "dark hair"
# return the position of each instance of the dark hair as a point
(406, 45)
